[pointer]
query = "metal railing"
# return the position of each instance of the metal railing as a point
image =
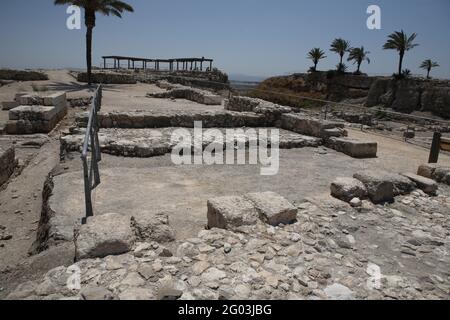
(91, 154)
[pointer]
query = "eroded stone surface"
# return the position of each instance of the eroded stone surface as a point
(347, 189)
(104, 235)
(273, 208)
(378, 187)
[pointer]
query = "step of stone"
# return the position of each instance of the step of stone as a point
(32, 113)
(57, 99)
(8, 105)
(353, 147)
(303, 124)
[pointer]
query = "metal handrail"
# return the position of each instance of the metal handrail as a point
(91, 145)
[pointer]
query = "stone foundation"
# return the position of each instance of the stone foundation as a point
(303, 124)
(146, 143)
(144, 119)
(353, 148)
(189, 93)
(36, 113)
(107, 78)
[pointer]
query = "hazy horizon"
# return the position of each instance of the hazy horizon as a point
(245, 38)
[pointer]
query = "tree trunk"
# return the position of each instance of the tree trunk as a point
(89, 21)
(315, 66)
(89, 54)
(342, 56)
(359, 66)
(428, 73)
(400, 63)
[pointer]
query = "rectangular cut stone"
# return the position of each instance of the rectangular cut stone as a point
(57, 99)
(379, 188)
(8, 105)
(32, 113)
(231, 212)
(308, 126)
(104, 235)
(354, 148)
(427, 185)
(8, 163)
(273, 208)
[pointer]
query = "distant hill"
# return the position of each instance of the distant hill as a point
(245, 78)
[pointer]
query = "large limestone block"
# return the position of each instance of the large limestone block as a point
(378, 187)
(104, 235)
(353, 147)
(427, 185)
(150, 227)
(231, 212)
(273, 208)
(436, 172)
(347, 189)
(8, 105)
(32, 113)
(302, 124)
(402, 185)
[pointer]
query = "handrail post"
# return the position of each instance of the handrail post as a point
(91, 173)
(435, 148)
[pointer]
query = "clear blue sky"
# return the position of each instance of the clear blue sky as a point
(253, 37)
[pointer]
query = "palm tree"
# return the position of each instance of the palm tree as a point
(358, 55)
(316, 55)
(91, 7)
(340, 46)
(427, 65)
(401, 42)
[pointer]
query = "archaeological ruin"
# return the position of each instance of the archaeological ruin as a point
(346, 199)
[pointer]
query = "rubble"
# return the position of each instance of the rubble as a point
(321, 256)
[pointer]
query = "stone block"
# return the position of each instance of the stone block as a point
(32, 113)
(104, 235)
(8, 105)
(273, 208)
(231, 212)
(353, 147)
(425, 184)
(346, 189)
(436, 172)
(378, 187)
(148, 227)
(303, 124)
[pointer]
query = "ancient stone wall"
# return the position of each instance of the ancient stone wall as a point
(19, 75)
(107, 78)
(189, 93)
